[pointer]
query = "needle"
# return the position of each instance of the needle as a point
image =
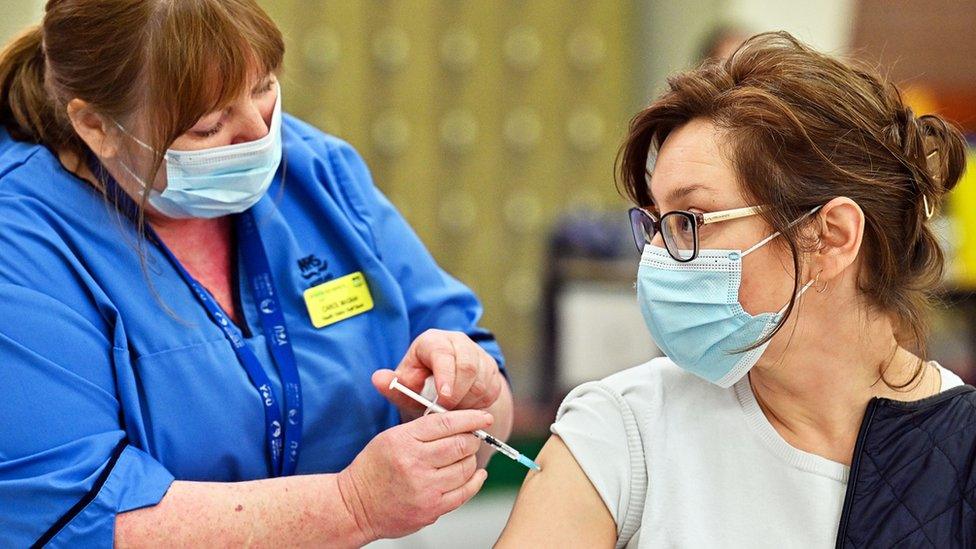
(485, 437)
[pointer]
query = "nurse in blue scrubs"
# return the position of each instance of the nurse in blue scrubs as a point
(204, 299)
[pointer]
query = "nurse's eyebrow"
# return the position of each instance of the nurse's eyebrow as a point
(262, 83)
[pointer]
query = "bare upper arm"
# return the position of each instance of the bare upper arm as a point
(558, 507)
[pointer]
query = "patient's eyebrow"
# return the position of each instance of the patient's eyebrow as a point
(676, 194)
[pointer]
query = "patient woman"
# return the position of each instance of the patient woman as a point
(784, 202)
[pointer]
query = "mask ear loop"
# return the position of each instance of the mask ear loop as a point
(146, 186)
(766, 240)
(760, 244)
(803, 290)
(820, 290)
(132, 137)
(763, 242)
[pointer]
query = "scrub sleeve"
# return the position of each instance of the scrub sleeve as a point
(66, 364)
(65, 468)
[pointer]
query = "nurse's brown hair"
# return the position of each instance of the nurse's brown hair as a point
(169, 62)
(803, 128)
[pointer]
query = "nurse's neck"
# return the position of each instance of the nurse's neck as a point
(205, 248)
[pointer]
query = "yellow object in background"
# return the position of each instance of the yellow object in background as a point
(338, 299)
(962, 208)
(959, 233)
(922, 99)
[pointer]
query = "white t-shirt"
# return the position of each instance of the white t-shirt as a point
(680, 462)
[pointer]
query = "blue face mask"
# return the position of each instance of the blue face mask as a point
(219, 181)
(693, 312)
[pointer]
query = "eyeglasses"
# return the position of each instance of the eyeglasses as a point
(679, 228)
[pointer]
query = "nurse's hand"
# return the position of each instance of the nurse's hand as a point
(411, 474)
(465, 375)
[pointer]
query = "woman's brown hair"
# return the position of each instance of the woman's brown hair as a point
(804, 128)
(157, 64)
(170, 61)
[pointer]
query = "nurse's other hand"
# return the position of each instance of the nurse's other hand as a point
(465, 375)
(411, 474)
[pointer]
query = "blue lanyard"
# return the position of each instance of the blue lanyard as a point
(284, 438)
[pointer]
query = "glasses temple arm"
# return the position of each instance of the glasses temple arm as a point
(727, 215)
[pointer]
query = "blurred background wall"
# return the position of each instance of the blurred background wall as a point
(17, 14)
(484, 121)
(493, 125)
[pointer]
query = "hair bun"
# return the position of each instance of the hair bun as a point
(944, 152)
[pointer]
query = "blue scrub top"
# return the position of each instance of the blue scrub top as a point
(105, 397)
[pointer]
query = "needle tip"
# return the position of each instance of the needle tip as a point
(528, 463)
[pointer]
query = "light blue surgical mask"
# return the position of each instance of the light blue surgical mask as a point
(694, 315)
(219, 181)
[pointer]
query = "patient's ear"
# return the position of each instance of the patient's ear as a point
(840, 231)
(97, 131)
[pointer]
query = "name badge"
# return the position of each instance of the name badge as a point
(337, 300)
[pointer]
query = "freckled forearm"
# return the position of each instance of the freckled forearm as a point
(295, 511)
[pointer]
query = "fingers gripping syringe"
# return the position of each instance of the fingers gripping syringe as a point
(485, 437)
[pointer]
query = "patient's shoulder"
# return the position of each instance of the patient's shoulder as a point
(648, 386)
(605, 425)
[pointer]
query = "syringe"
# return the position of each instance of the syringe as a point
(485, 437)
